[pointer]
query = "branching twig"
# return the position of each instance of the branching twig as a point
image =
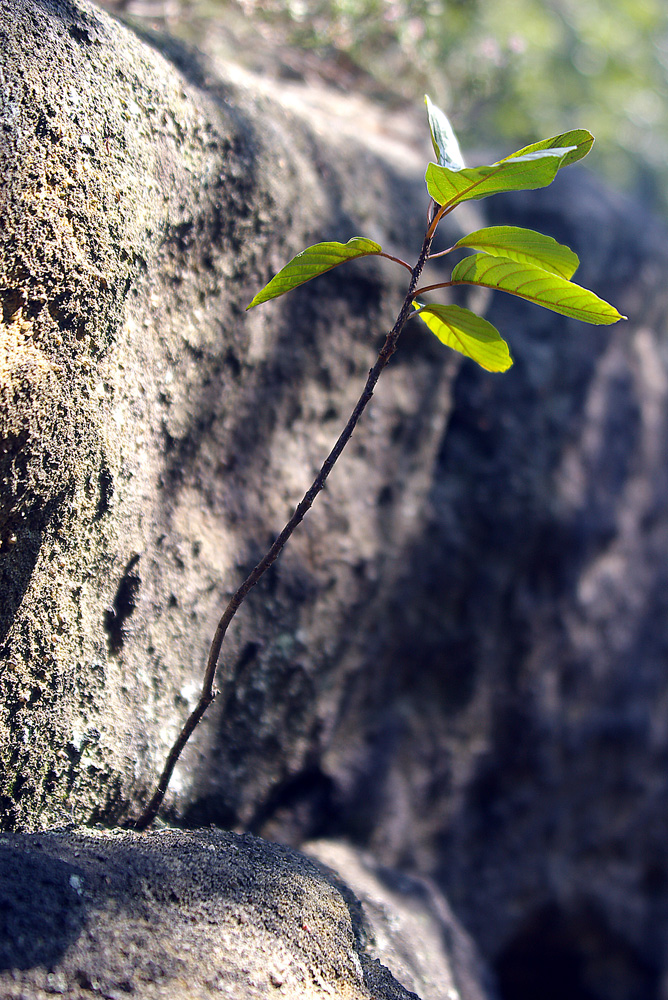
(440, 284)
(208, 692)
(397, 260)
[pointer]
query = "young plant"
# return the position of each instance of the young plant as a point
(519, 261)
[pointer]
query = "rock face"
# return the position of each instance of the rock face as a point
(565, 605)
(520, 733)
(460, 661)
(410, 928)
(198, 915)
(155, 438)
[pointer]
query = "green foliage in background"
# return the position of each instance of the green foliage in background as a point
(507, 69)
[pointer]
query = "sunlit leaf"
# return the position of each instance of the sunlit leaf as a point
(464, 331)
(536, 285)
(523, 245)
(579, 139)
(521, 173)
(443, 138)
(311, 262)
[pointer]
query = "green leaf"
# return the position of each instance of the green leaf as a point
(521, 173)
(443, 138)
(579, 139)
(523, 245)
(311, 262)
(535, 285)
(471, 335)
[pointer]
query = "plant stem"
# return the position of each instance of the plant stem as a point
(442, 211)
(397, 260)
(441, 253)
(440, 284)
(208, 693)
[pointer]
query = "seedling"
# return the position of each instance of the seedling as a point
(518, 261)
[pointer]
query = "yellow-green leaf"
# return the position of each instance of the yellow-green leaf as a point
(535, 285)
(469, 334)
(524, 245)
(579, 139)
(521, 173)
(311, 262)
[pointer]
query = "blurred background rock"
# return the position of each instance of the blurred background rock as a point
(506, 71)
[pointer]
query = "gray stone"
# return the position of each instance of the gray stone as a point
(411, 929)
(155, 437)
(518, 752)
(473, 685)
(195, 915)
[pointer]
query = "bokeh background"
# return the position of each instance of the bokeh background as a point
(506, 71)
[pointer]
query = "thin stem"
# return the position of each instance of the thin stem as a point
(440, 284)
(443, 211)
(397, 260)
(208, 693)
(442, 253)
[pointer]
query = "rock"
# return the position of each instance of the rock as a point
(571, 767)
(155, 437)
(518, 753)
(460, 662)
(196, 915)
(411, 929)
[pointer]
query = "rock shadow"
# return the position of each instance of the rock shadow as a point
(17, 562)
(41, 907)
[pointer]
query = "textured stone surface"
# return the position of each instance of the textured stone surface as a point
(207, 914)
(567, 607)
(474, 687)
(156, 437)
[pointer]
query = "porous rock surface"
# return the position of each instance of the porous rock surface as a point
(155, 437)
(187, 916)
